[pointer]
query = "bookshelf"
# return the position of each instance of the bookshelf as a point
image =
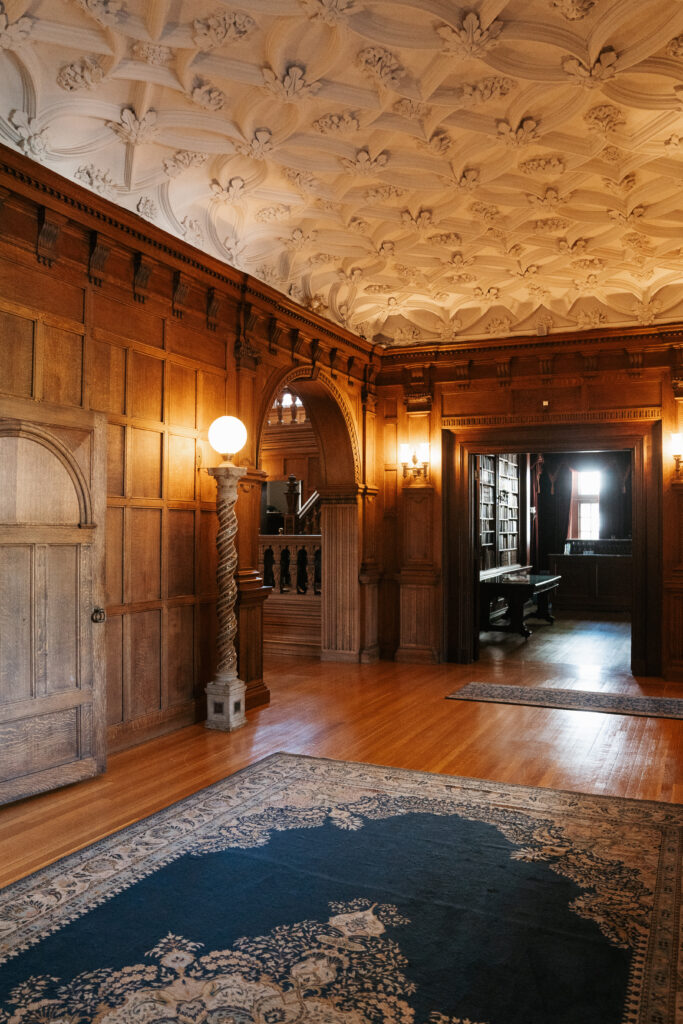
(499, 510)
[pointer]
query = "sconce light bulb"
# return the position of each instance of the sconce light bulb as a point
(404, 454)
(677, 445)
(227, 435)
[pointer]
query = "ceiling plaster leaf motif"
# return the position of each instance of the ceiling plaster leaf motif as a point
(675, 47)
(523, 135)
(222, 27)
(575, 248)
(135, 131)
(488, 212)
(488, 297)
(14, 34)
(351, 277)
(386, 250)
(407, 335)
(273, 214)
(647, 311)
(332, 12)
(107, 12)
(234, 192)
(439, 144)
(206, 95)
(182, 160)
(235, 251)
(360, 227)
(573, 10)
(586, 286)
(626, 218)
(321, 258)
(299, 239)
(499, 326)
(613, 155)
(94, 178)
(147, 208)
(550, 225)
(588, 318)
(589, 265)
(469, 39)
(260, 145)
(269, 275)
(85, 73)
(450, 239)
(292, 86)
(336, 124)
(364, 164)
(305, 181)
(378, 289)
(152, 53)
(604, 118)
(673, 142)
(192, 231)
(468, 180)
(487, 89)
(422, 221)
(459, 279)
(459, 261)
(622, 187)
(638, 243)
(414, 110)
(550, 165)
(381, 64)
(549, 200)
(32, 140)
(385, 192)
(594, 75)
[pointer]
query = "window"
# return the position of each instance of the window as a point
(585, 511)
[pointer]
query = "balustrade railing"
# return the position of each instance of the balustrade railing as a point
(291, 563)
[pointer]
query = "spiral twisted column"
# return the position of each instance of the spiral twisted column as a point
(225, 693)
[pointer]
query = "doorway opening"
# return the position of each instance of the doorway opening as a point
(619, 578)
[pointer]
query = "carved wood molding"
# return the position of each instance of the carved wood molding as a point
(649, 413)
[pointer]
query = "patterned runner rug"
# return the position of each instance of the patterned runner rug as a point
(572, 700)
(319, 892)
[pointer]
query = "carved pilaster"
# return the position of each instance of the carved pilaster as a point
(340, 632)
(417, 388)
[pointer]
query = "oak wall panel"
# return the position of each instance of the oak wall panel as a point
(129, 320)
(181, 468)
(143, 564)
(114, 655)
(37, 290)
(145, 386)
(180, 645)
(62, 366)
(182, 395)
(180, 552)
(211, 398)
(145, 463)
(204, 346)
(116, 465)
(106, 375)
(16, 355)
(144, 684)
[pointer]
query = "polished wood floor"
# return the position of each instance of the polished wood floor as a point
(391, 714)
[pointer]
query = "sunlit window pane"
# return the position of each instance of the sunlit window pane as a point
(589, 481)
(589, 520)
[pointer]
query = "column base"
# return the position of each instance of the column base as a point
(225, 704)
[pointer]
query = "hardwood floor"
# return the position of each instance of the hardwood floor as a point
(393, 714)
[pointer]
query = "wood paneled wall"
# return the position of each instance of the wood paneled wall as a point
(100, 310)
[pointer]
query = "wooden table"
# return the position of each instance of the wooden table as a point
(517, 591)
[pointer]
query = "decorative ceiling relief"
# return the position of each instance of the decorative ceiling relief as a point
(416, 172)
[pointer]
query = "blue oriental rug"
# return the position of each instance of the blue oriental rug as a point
(571, 700)
(304, 891)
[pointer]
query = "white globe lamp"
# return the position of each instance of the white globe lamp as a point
(227, 436)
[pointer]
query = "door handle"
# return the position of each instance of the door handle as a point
(98, 615)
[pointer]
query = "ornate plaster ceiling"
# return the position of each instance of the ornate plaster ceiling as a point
(412, 169)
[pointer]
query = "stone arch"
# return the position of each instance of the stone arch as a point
(335, 426)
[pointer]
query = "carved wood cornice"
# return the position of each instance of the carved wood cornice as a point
(625, 415)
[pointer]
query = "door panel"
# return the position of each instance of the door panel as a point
(51, 577)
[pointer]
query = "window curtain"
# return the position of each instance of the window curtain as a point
(553, 502)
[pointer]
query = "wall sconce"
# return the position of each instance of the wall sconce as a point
(415, 461)
(226, 692)
(677, 451)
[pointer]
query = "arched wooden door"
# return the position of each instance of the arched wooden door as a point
(52, 488)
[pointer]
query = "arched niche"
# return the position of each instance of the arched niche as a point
(341, 475)
(42, 482)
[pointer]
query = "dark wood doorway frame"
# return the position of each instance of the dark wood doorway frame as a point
(642, 439)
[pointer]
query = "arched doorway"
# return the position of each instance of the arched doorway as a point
(642, 439)
(339, 486)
